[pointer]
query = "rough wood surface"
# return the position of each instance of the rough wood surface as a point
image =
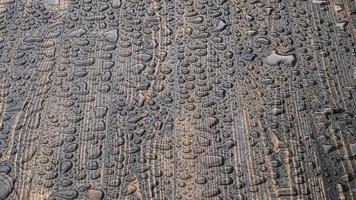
(177, 99)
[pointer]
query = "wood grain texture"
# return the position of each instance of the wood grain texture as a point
(177, 99)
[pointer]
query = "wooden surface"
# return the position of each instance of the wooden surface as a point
(177, 99)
